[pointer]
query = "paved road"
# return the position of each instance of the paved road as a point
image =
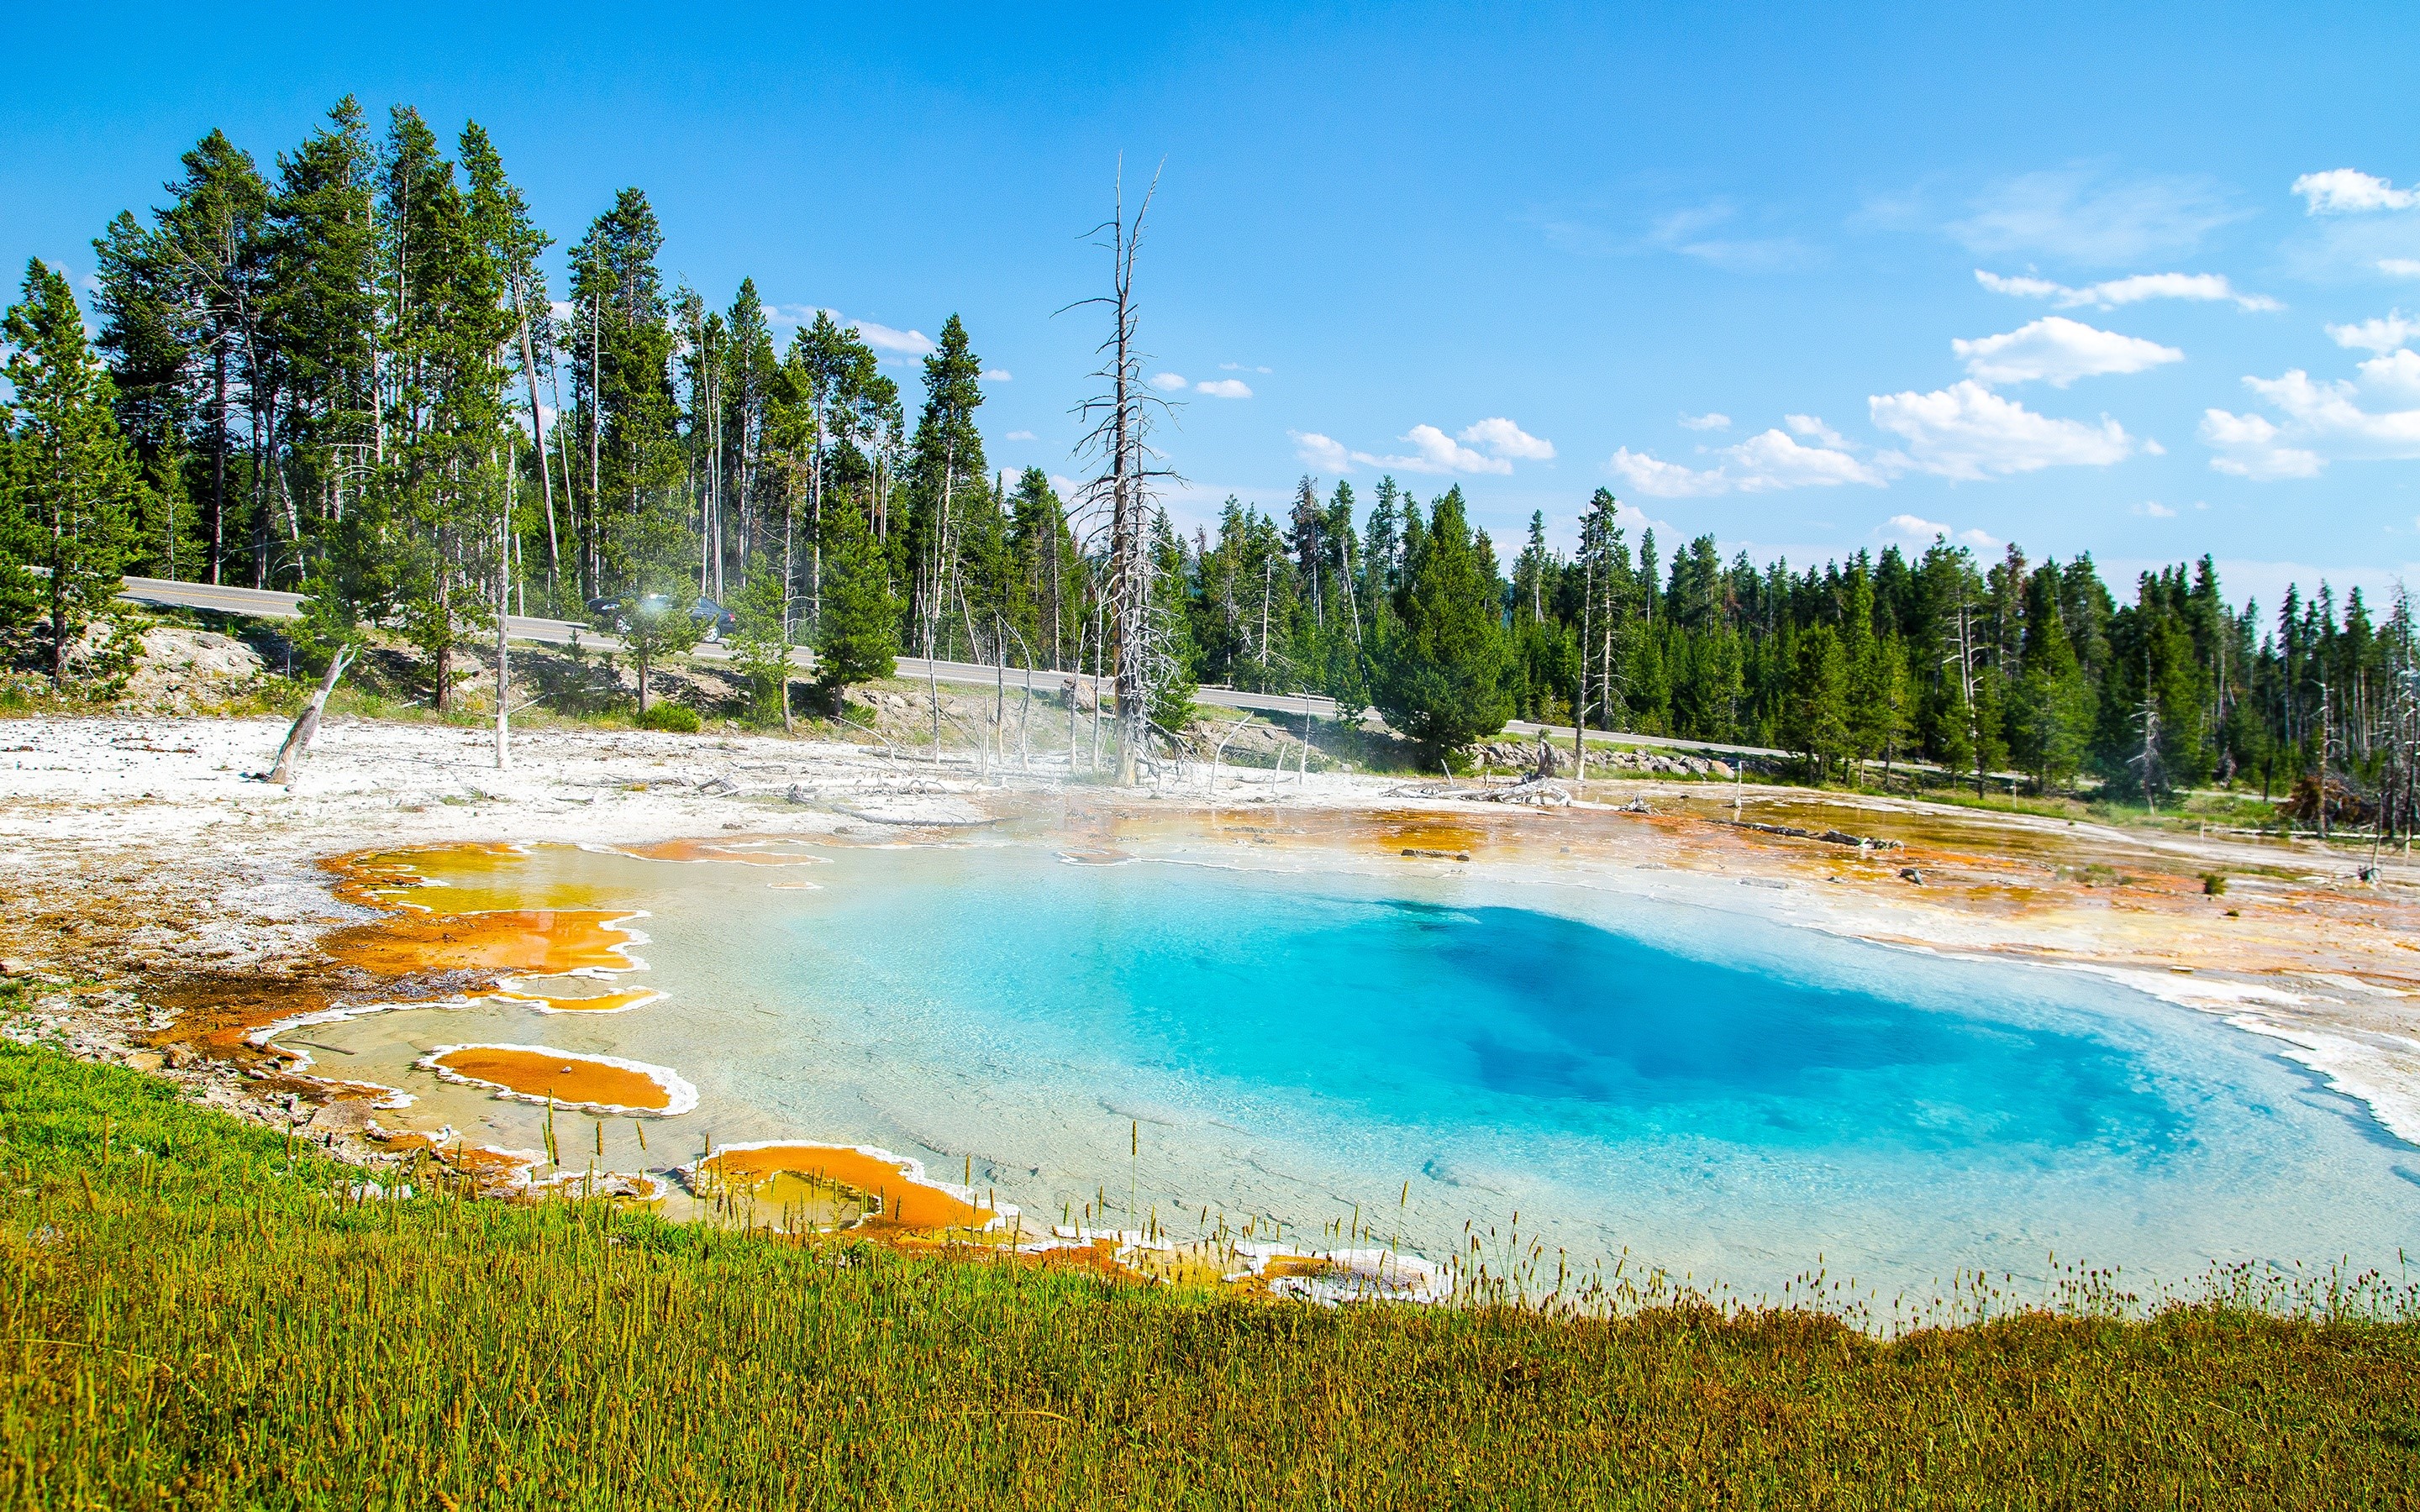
(266, 603)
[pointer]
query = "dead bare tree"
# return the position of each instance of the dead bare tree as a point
(306, 724)
(1119, 495)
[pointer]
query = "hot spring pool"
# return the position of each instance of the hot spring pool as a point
(1727, 1096)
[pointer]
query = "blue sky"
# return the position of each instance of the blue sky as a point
(1811, 279)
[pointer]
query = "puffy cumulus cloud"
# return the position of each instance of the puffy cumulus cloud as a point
(2249, 446)
(1710, 419)
(1658, 479)
(1916, 527)
(1018, 436)
(1225, 388)
(884, 338)
(1488, 446)
(1968, 432)
(2084, 215)
(1501, 437)
(2351, 191)
(1764, 463)
(2324, 421)
(2396, 373)
(998, 375)
(1434, 450)
(2135, 289)
(1813, 428)
(2399, 266)
(1168, 382)
(1775, 460)
(2058, 351)
(1322, 451)
(2153, 509)
(2381, 334)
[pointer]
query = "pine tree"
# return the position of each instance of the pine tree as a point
(760, 647)
(951, 486)
(1817, 725)
(636, 517)
(1442, 685)
(71, 478)
(859, 639)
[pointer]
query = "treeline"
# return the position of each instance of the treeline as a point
(347, 374)
(1977, 666)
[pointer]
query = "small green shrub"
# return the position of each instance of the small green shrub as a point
(2213, 884)
(679, 719)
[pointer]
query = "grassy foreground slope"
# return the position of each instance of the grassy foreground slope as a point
(197, 1317)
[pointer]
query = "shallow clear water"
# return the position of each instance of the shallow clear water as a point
(1719, 1093)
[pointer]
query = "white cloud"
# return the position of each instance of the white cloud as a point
(2399, 266)
(1239, 367)
(1225, 388)
(2057, 351)
(2396, 373)
(2248, 448)
(2325, 422)
(1168, 382)
(1813, 428)
(2381, 334)
(997, 374)
(1018, 436)
(1710, 419)
(1773, 460)
(2134, 289)
(2082, 215)
(2350, 191)
(1659, 479)
(1495, 444)
(1968, 432)
(1980, 538)
(1434, 450)
(1506, 439)
(1321, 452)
(1916, 527)
(1765, 463)
(883, 338)
(2153, 509)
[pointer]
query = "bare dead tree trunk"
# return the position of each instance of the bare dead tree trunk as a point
(537, 436)
(1123, 487)
(306, 724)
(503, 603)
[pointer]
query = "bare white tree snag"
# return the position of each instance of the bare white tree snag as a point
(503, 675)
(1219, 750)
(537, 437)
(1120, 493)
(306, 724)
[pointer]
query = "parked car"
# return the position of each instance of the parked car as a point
(613, 613)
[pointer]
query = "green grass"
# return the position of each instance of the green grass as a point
(197, 1315)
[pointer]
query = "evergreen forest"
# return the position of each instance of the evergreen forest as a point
(344, 374)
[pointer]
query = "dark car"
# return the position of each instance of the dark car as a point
(613, 613)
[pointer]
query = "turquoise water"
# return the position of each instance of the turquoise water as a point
(1726, 1095)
